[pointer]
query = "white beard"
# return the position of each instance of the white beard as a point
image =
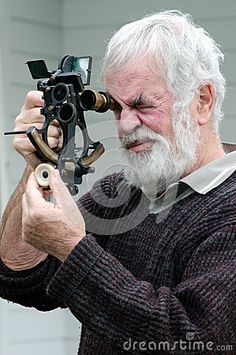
(166, 161)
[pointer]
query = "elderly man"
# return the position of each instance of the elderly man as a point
(146, 261)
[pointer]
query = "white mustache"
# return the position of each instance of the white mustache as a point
(141, 134)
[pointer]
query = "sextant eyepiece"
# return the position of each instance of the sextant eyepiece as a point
(99, 101)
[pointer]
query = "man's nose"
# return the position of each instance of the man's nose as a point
(128, 122)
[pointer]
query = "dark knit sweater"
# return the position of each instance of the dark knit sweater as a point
(139, 277)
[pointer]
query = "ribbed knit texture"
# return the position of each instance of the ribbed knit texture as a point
(140, 276)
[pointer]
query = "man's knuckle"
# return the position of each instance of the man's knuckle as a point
(27, 222)
(18, 119)
(29, 96)
(34, 214)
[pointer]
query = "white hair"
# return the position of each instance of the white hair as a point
(186, 54)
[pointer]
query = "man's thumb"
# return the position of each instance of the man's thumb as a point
(58, 187)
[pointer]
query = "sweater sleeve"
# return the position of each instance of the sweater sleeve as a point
(28, 287)
(112, 303)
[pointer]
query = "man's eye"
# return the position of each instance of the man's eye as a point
(145, 108)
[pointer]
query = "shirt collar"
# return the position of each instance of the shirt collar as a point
(201, 180)
(214, 173)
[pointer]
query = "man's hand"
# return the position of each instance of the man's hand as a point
(28, 117)
(53, 228)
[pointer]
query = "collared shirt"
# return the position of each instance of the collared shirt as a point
(202, 180)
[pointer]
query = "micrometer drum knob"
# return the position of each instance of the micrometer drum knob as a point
(42, 174)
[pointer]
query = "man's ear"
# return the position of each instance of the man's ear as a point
(205, 102)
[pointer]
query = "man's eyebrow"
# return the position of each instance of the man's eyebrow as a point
(141, 100)
(138, 101)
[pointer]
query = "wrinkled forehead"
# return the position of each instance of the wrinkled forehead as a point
(134, 74)
(131, 85)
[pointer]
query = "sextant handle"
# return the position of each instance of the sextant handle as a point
(44, 152)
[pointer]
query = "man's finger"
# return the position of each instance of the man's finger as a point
(64, 200)
(31, 116)
(55, 123)
(33, 99)
(59, 190)
(54, 131)
(33, 194)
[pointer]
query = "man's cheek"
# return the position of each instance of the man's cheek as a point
(157, 122)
